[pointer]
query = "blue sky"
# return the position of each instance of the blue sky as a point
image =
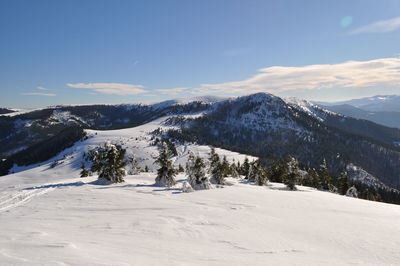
(78, 52)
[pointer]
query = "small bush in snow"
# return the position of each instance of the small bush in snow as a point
(187, 188)
(133, 166)
(84, 172)
(352, 192)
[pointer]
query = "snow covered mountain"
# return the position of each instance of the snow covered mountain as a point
(381, 109)
(389, 119)
(49, 215)
(378, 103)
(260, 125)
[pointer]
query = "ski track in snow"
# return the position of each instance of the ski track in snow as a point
(18, 198)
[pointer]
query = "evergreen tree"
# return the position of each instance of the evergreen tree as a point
(343, 183)
(146, 169)
(277, 171)
(225, 167)
(109, 162)
(233, 170)
(313, 179)
(166, 173)
(216, 169)
(213, 159)
(196, 173)
(325, 177)
(133, 166)
(292, 173)
(245, 167)
(84, 172)
(253, 168)
(257, 173)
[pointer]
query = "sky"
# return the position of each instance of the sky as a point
(83, 52)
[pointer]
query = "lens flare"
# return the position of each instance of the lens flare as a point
(346, 21)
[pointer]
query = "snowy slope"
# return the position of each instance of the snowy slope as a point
(50, 216)
(80, 222)
(136, 140)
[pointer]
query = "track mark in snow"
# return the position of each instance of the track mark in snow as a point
(19, 198)
(7, 255)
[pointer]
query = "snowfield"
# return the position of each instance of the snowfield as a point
(50, 216)
(83, 222)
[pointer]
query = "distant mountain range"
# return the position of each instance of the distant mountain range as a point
(381, 109)
(378, 103)
(260, 125)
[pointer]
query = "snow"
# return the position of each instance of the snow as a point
(80, 222)
(309, 108)
(50, 216)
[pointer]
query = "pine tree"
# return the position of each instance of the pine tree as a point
(133, 166)
(109, 162)
(251, 175)
(84, 172)
(343, 183)
(277, 171)
(260, 175)
(146, 169)
(225, 167)
(213, 159)
(325, 177)
(166, 173)
(216, 169)
(257, 173)
(195, 170)
(233, 170)
(245, 167)
(292, 175)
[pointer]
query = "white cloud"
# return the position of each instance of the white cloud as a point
(38, 94)
(171, 91)
(379, 26)
(110, 88)
(42, 88)
(350, 74)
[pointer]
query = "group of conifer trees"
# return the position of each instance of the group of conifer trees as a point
(111, 162)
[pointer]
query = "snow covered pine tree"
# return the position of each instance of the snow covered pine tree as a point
(166, 173)
(257, 173)
(293, 172)
(109, 162)
(195, 170)
(216, 170)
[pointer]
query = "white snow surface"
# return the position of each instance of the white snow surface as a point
(50, 216)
